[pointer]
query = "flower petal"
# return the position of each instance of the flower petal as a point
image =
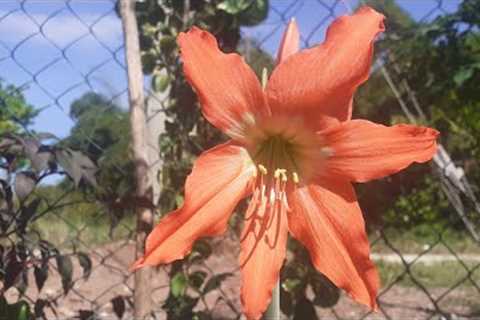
(290, 41)
(229, 92)
(363, 150)
(219, 179)
(327, 220)
(263, 248)
(319, 82)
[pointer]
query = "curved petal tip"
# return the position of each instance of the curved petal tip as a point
(290, 41)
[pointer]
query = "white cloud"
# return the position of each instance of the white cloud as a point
(62, 29)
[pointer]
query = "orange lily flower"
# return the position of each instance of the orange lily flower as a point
(296, 151)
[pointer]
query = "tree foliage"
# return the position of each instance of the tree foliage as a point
(437, 59)
(15, 112)
(102, 132)
(25, 162)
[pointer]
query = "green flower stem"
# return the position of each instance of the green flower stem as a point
(273, 311)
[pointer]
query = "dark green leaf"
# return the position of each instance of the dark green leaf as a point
(201, 251)
(6, 193)
(148, 62)
(13, 270)
(3, 306)
(160, 82)
(233, 7)
(27, 212)
(203, 315)
(87, 315)
(118, 304)
(197, 278)
(22, 284)
(41, 274)
(167, 44)
(180, 308)
(286, 303)
(178, 284)
(255, 13)
(292, 284)
(463, 75)
(85, 263)
(19, 311)
(65, 269)
(326, 293)
(214, 282)
(38, 308)
(304, 310)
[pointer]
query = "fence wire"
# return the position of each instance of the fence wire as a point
(56, 52)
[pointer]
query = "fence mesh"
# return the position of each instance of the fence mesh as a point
(60, 51)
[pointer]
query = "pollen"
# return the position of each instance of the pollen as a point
(279, 173)
(262, 169)
(295, 178)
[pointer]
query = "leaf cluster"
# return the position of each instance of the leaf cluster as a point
(25, 161)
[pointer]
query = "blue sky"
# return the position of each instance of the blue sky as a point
(66, 60)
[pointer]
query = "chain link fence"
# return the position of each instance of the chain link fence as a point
(67, 59)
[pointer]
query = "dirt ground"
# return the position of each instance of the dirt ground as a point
(110, 278)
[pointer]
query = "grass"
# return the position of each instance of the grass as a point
(91, 224)
(86, 224)
(420, 239)
(89, 231)
(436, 275)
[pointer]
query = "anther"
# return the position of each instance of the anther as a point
(296, 180)
(280, 173)
(262, 169)
(276, 175)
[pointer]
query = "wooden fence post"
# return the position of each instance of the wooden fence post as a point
(142, 293)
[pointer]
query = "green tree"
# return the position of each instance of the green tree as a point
(102, 132)
(15, 112)
(439, 61)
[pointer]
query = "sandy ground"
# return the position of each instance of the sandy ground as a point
(109, 279)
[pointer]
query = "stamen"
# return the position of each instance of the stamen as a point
(262, 169)
(285, 202)
(269, 199)
(272, 196)
(276, 175)
(296, 180)
(253, 206)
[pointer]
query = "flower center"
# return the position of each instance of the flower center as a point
(277, 152)
(277, 170)
(281, 142)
